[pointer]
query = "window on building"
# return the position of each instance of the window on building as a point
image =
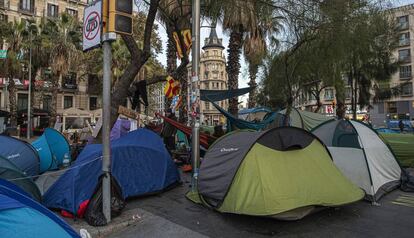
(2, 3)
(22, 101)
(27, 5)
(392, 107)
(70, 81)
(404, 55)
(215, 53)
(207, 105)
(52, 10)
(329, 94)
(405, 72)
(93, 103)
(206, 85)
(3, 17)
(67, 102)
(403, 22)
(407, 89)
(404, 39)
(72, 12)
(206, 75)
(348, 92)
(47, 102)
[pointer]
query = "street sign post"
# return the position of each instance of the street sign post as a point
(3, 54)
(92, 28)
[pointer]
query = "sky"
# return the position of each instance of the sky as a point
(205, 31)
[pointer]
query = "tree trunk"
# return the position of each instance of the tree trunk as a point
(252, 95)
(12, 102)
(53, 106)
(233, 66)
(288, 111)
(340, 103)
(138, 58)
(318, 104)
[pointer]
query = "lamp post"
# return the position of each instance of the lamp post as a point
(29, 101)
(195, 93)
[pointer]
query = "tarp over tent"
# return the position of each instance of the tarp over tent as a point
(251, 114)
(21, 154)
(22, 217)
(52, 147)
(140, 164)
(283, 173)
(11, 173)
(361, 155)
(121, 127)
(302, 119)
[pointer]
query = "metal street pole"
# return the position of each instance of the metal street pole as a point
(195, 93)
(106, 113)
(29, 103)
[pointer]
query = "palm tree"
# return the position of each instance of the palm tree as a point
(65, 37)
(13, 34)
(239, 18)
(176, 15)
(254, 52)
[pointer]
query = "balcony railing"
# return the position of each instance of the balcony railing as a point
(404, 42)
(405, 59)
(402, 26)
(4, 5)
(405, 75)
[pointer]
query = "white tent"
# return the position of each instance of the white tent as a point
(361, 155)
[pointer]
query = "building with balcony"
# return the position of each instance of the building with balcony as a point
(11, 10)
(213, 76)
(401, 106)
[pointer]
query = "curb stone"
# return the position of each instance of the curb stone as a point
(127, 218)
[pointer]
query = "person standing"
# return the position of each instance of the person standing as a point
(168, 131)
(401, 125)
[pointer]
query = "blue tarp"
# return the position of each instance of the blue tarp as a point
(22, 217)
(21, 154)
(140, 164)
(51, 147)
(254, 110)
(243, 124)
(220, 95)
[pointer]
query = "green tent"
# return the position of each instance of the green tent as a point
(284, 173)
(302, 119)
(403, 147)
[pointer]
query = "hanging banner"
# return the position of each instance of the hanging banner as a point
(172, 87)
(187, 42)
(92, 26)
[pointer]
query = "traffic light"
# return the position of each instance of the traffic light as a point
(117, 16)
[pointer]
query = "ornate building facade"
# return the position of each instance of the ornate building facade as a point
(213, 76)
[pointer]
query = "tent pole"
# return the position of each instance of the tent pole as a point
(195, 93)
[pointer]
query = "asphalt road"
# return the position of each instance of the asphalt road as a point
(172, 215)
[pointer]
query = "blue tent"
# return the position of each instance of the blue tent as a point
(22, 217)
(51, 147)
(140, 164)
(21, 154)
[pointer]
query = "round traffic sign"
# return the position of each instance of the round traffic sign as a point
(92, 26)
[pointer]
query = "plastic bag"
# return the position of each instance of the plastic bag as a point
(94, 215)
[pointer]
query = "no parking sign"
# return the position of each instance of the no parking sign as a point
(92, 29)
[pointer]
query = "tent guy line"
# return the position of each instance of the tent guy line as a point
(57, 172)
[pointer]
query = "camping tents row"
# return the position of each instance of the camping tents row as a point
(21, 162)
(22, 217)
(287, 172)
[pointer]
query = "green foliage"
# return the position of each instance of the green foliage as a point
(332, 41)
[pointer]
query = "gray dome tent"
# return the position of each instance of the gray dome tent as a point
(361, 155)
